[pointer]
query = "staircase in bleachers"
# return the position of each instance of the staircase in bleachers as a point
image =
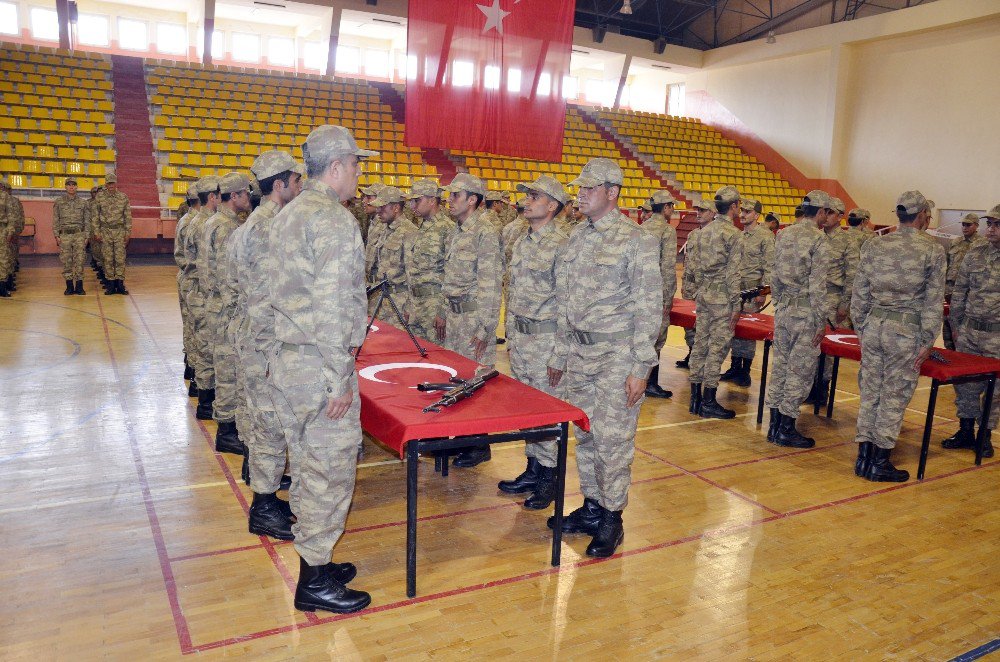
(135, 165)
(391, 97)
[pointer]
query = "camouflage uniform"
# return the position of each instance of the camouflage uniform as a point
(8, 224)
(689, 277)
(424, 261)
(181, 260)
(200, 355)
(19, 222)
(357, 209)
(755, 271)
(843, 265)
(666, 238)
(71, 224)
(956, 253)
(96, 248)
(114, 223)
(390, 251)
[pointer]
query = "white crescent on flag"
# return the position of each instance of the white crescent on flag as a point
(844, 338)
(371, 373)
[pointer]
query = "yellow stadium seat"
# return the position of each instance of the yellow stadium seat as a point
(74, 168)
(53, 167)
(24, 150)
(176, 159)
(96, 169)
(40, 181)
(105, 155)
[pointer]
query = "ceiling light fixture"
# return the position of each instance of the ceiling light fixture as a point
(626, 7)
(770, 37)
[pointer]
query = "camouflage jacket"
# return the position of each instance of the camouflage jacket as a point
(666, 238)
(531, 293)
(758, 256)
(720, 250)
(473, 269)
(977, 287)
(69, 215)
(113, 211)
(425, 250)
(801, 264)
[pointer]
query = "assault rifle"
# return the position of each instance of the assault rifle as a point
(746, 296)
(456, 389)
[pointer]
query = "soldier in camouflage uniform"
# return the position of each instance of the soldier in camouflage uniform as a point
(202, 353)
(975, 313)
(424, 257)
(897, 309)
(194, 205)
(368, 194)
(610, 296)
(492, 208)
(17, 211)
(114, 225)
(798, 289)
(390, 252)
(717, 303)
(507, 212)
(859, 226)
(234, 192)
(661, 205)
(472, 278)
(317, 290)
(773, 222)
(71, 228)
(532, 311)
(706, 212)
(8, 223)
(96, 251)
(956, 253)
(755, 271)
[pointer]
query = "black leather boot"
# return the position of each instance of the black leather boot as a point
(121, 287)
(473, 457)
(206, 396)
(685, 362)
(880, 469)
(653, 388)
(69, 288)
(227, 439)
(4, 290)
(78, 289)
(286, 482)
(734, 370)
(710, 408)
(544, 491)
(743, 378)
(319, 589)
(864, 458)
(965, 437)
(787, 435)
(772, 429)
(610, 533)
(188, 370)
(342, 572)
(525, 482)
(109, 287)
(192, 389)
(584, 519)
(266, 518)
(245, 468)
(695, 406)
(988, 444)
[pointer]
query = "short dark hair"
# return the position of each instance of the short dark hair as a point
(559, 207)
(810, 210)
(799, 211)
(226, 197)
(491, 203)
(903, 216)
(771, 217)
(658, 208)
(478, 196)
(70, 182)
(722, 207)
(267, 184)
(854, 221)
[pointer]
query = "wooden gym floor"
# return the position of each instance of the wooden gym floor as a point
(125, 534)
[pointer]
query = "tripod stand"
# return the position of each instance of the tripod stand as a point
(383, 296)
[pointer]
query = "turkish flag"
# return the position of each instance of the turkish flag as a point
(487, 75)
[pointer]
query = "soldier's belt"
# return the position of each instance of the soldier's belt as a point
(459, 306)
(63, 233)
(834, 289)
(801, 301)
(308, 350)
(977, 325)
(907, 318)
(396, 288)
(425, 290)
(749, 283)
(715, 287)
(531, 327)
(593, 337)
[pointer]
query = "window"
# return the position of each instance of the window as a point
(675, 99)
(44, 24)
(132, 35)
(218, 45)
(491, 78)
(571, 87)
(8, 18)
(348, 59)
(93, 30)
(246, 47)
(514, 81)
(544, 84)
(411, 67)
(462, 73)
(281, 51)
(596, 91)
(377, 63)
(171, 38)
(314, 56)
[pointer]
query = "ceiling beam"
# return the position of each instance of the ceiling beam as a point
(779, 20)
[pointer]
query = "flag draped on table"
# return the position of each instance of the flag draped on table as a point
(487, 75)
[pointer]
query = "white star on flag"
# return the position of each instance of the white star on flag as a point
(494, 16)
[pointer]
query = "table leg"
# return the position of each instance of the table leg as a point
(560, 492)
(926, 445)
(411, 520)
(437, 463)
(819, 380)
(984, 420)
(833, 386)
(444, 463)
(763, 382)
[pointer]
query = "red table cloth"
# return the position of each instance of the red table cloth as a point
(844, 343)
(751, 326)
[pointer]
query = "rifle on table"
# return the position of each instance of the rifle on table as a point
(456, 389)
(746, 296)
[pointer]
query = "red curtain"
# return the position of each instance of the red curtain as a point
(487, 75)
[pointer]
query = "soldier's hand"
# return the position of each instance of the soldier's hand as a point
(555, 376)
(841, 315)
(634, 388)
(954, 337)
(921, 357)
(337, 407)
(406, 316)
(732, 322)
(439, 328)
(818, 338)
(478, 348)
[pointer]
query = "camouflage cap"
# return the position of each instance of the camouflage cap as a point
(111, 178)
(728, 194)
(192, 191)
(599, 171)
(208, 184)
(255, 188)
(837, 205)
(387, 196)
(465, 182)
(863, 214)
(647, 206)
(548, 185)
(971, 217)
(505, 196)
(662, 198)
(749, 204)
(424, 188)
(272, 162)
(930, 204)
(493, 196)
(234, 182)
(703, 205)
(771, 216)
(330, 141)
(372, 189)
(912, 202)
(818, 199)
(993, 214)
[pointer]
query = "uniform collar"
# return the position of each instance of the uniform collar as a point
(544, 231)
(323, 188)
(906, 229)
(605, 222)
(226, 211)
(473, 219)
(722, 218)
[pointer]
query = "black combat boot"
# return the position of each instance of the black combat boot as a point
(78, 289)
(342, 572)
(743, 378)
(880, 469)
(965, 437)
(582, 520)
(245, 468)
(822, 392)
(69, 288)
(473, 457)
(710, 408)
(653, 389)
(988, 444)
(695, 406)
(864, 458)
(544, 492)
(227, 439)
(266, 518)
(109, 287)
(685, 362)
(772, 429)
(188, 370)
(286, 482)
(193, 389)
(734, 370)
(787, 435)
(525, 482)
(610, 533)
(120, 287)
(319, 589)
(206, 396)
(4, 291)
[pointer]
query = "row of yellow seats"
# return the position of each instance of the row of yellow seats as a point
(37, 113)
(198, 72)
(26, 181)
(12, 99)
(62, 66)
(14, 72)
(239, 85)
(285, 140)
(266, 112)
(49, 152)
(58, 141)
(51, 167)
(23, 124)
(80, 90)
(22, 138)
(191, 128)
(390, 162)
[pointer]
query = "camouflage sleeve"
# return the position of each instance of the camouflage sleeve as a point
(226, 273)
(201, 261)
(817, 283)
(933, 310)
(127, 214)
(861, 296)
(689, 279)
(768, 258)
(668, 265)
(851, 257)
(56, 220)
(646, 305)
(18, 215)
(560, 347)
(489, 273)
(959, 297)
(86, 220)
(732, 273)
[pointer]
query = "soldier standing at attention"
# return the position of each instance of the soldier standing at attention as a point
(390, 250)
(17, 214)
(193, 206)
(492, 210)
(689, 277)
(472, 275)
(114, 225)
(975, 314)
(356, 206)
(858, 222)
(658, 224)
(368, 194)
(717, 303)
(204, 369)
(897, 309)
(532, 312)
(956, 253)
(317, 290)
(71, 227)
(798, 289)
(96, 251)
(773, 222)
(610, 297)
(507, 212)
(424, 257)
(755, 271)
(8, 217)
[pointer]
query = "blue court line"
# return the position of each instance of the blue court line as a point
(977, 653)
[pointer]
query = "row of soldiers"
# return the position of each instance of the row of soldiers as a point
(11, 226)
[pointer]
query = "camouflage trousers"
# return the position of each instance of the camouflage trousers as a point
(460, 329)
(72, 252)
(187, 330)
(114, 252)
(262, 433)
(689, 337)
(385, 312)
(423, 310)
(946, 336)
(6, 254)
(322, 453)
(661, 338)
(594, 381)
(529, 354)
(831, 303)
(887, 379)
(224, 362)
(794, 360)
(741, 348)
(201, 356)
(711, 341)
(969, 397)
(97, 250)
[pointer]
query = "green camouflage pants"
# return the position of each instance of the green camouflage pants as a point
(711, 341)
(529, 354)
(6, 254)
(887, 379)
(423, 310)
(746, 349)
(201, 356)
(97, 250)
(114, 252)
(661, 338)
(969, 397)
(264, 436)
(72, 252)
(322, 453)
(794, 360)
(224, 362)
(460, 329)
(187, 330)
